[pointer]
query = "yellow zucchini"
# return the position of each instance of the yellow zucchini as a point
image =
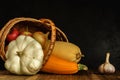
(67, 51)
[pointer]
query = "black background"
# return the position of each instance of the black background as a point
(93, 26)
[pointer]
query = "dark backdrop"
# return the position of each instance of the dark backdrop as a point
(93, 26)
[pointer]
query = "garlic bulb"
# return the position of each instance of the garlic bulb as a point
(106, 67)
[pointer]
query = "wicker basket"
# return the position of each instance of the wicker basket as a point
(44, 25)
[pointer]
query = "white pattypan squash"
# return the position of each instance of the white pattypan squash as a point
(24, 56)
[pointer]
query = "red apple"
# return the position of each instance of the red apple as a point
(26, 33)
(13, 34)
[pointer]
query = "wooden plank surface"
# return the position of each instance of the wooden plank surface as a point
(82, 75)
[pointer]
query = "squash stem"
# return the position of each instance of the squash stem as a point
(82, 67)
(19, 53)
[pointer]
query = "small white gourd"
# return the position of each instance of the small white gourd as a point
(24, 56)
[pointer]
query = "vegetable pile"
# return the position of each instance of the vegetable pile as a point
(25, 53)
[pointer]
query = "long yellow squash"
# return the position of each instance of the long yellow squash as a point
(66, 50)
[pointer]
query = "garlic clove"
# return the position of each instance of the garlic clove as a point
(101, 68)
(109, 68)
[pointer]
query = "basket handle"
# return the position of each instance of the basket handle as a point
(53, 37)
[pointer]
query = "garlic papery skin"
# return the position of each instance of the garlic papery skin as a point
(106, 67)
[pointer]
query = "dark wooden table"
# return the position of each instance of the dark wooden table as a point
(81, 75)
